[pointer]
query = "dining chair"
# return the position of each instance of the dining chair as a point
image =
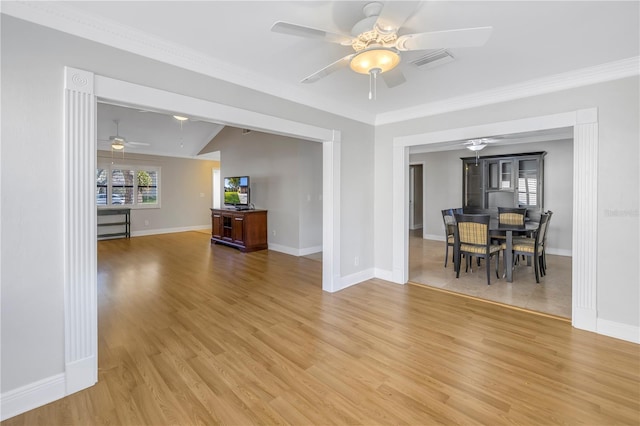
(449, 238)
(543, 260)
(514, 216)
(533, 247)
(472, 240)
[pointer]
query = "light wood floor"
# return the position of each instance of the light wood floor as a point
(551, 296)
(191, 333)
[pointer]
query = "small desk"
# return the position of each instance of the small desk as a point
(123, 225)
(495, 226)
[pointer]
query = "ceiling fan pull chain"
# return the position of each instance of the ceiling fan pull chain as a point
(373, 79)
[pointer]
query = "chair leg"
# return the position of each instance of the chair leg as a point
(488, 267)
(446, 252)
(536, 266)
(497, 265)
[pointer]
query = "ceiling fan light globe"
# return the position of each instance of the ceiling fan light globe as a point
(382, 58)
(476, 147)
(117, 145)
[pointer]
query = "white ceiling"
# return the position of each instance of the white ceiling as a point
(532, 44)
(160, 133)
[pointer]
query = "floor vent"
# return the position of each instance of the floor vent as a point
(433, 59)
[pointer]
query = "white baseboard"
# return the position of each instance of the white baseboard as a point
(294, 251)
(617, 330)
(383, 274)
(309, 250)
(356, 278)
(146, 232)
(433, 237)
(32, 396)
(81, 374)
(559, 252)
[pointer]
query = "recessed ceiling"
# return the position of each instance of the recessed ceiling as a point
(530, 40)
(149, 132)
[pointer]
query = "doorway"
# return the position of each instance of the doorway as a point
(82, 91)
(584, 124)
(416, 191)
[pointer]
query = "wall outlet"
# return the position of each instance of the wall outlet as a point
(202, 195)
(356, 261)
(273, 232)
(146, 223)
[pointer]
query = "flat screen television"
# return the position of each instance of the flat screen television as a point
(236, 191)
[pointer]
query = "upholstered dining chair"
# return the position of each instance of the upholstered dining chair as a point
(472, 240)
(533, 247)
(543, 260)
(449, 239)
(514, 216)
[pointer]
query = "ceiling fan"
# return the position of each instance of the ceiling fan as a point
(476, 145)
(119, 142)
(479, 144)
(377, 45)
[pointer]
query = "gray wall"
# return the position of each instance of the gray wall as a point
(443, 188)
(285, 179)
(618, 103)
(182, 181)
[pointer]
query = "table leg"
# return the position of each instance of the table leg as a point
(508, 257)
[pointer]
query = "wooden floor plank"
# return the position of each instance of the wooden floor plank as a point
(190, 333)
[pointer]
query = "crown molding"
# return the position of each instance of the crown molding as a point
(70, 20)
(67, 19)
(568, 80)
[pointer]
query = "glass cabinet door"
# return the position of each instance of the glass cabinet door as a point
(473, 187)
(493, 175)
(506, 175)
(528, 183)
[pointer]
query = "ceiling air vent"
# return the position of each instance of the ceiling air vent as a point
(433, 59)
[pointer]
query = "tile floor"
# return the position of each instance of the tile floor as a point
(551, 296)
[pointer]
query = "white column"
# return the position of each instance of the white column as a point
(80, 274)
(585, 220)
(400, 217)
(331, 280)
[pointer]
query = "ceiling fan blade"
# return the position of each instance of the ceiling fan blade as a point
(137, 143)
(465, 37)
(394, 14)
(308, 32)
(337, 65)
(393, 78)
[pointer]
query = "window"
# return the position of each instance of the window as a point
(128, 185)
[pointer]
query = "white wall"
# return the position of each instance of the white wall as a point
(618, 293)
(444, 186)
(283, 171)
(185, 192)
(32, 214)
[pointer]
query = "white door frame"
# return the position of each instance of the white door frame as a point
(82, 91)
(585, 197)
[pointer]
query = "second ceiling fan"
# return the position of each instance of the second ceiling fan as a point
(377, 45)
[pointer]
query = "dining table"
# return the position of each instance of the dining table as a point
(495, 227)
